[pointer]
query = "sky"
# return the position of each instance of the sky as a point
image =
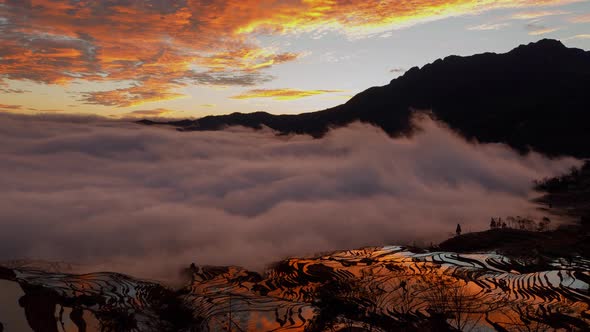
(187, 58)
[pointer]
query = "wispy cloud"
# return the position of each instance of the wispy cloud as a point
(28, 110)
(585, 18)
(535, 29)
(580, 36)
(489, 26)
(10, 108)
(11, 91)
(542, 31)
(150, 113)
(47, 110)
(531, 15)
(281, 94)
(132, 96)
(398, 70)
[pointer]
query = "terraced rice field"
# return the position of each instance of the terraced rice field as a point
(376, 289)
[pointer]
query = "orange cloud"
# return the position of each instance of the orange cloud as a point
(50, 110)
(10, 107)
(149, 113)
(370, 16)
(281, 94)
(4, 89)
(246, 59)
(157, 47)
(132, 96)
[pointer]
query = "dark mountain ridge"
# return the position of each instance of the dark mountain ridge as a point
(533, 97)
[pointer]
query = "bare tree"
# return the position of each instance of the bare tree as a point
(454, 299)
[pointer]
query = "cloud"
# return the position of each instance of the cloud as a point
(146, 200)
(542, 31)
(154, 45)
(580, 36)
(127, 97)
(535, 29)
(23, 110)
(585, 18)
(158, 112)
(46, 110)
(282, 94)
(247, 59)
(10, 107)
(489, 26)
(531, 15)
(61, 44)
(397, 70)
(11, 91)
(372, 17)
(221, 78)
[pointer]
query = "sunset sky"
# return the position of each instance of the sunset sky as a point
(187, 58)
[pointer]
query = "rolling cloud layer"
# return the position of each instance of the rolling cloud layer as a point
(148, 200)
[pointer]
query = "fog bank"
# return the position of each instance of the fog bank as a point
(146, 200)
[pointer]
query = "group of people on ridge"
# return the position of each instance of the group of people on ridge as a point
(497, 223)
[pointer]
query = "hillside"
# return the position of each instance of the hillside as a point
(534, 96)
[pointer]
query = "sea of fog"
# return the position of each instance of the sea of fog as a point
(142, 200)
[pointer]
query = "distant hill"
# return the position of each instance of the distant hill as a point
(535, 96)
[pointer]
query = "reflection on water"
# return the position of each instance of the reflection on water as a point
(23, 312)
(12, 316)
(377, 289)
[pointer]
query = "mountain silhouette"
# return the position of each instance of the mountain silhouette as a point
(533, 97)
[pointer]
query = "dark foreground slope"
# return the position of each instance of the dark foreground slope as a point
(535, 96)
(565, 195)
(566, 242)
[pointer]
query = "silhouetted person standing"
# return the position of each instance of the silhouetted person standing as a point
(458, 229)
